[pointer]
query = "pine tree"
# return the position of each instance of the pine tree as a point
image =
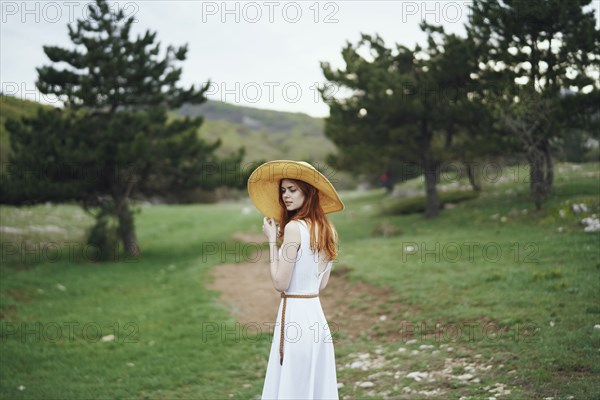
(404, 107)
(536, 51)
(113, 141)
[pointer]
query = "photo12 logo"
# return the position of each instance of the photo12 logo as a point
(53, 12)
(436, 11)
(269, 11)
(69, 331)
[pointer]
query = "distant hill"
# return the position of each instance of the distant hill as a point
(265, 134)
(254, 118)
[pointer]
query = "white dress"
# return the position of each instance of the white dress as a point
(308, 370)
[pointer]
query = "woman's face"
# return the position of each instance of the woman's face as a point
(291, 194)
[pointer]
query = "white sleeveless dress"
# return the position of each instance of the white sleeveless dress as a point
(308, 370)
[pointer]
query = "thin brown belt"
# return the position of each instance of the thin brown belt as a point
(285, 296)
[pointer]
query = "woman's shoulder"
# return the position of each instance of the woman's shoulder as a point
(300, 222)
(293, 226)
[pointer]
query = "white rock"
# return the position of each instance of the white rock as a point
(597, 326)
(21, 388)
(592, 224)
(433, 392)
(417, 376)
(60, 287)
(411, 341)
(382, 317)
(130, 364)
(464, 377)
(340, 385)
(403, 349)
(426, 346)
(357, 364)
(108, 338)
(366, 384)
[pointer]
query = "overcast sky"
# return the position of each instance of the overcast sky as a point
(263, 54)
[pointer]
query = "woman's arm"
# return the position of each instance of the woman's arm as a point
(325, 279)
(281, 269)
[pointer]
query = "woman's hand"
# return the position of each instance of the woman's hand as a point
(270, 229)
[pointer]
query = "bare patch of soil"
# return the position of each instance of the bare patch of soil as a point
(351, 307)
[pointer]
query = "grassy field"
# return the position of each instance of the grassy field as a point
(524, 285)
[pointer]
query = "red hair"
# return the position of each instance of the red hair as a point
(312, 212)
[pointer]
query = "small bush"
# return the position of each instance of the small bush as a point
(104, 238)
(546, 275)
(386, 229)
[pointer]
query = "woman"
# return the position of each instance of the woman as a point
(302, 361)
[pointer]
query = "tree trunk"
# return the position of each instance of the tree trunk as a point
(126, 226)
(431, 172)
(549, 179)
(536, 176)
(471, 174)
(432, 176)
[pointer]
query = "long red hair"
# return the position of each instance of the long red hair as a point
(312, 212)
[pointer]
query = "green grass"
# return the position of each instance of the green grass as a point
(543, 288)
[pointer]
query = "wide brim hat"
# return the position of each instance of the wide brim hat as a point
(263, 186)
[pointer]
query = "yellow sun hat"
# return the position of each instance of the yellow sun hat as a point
(263, 186)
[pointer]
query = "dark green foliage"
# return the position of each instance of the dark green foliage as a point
(115, 72)
(12, 107)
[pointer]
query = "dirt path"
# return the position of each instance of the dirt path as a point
(350, 307)
(355, 308)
